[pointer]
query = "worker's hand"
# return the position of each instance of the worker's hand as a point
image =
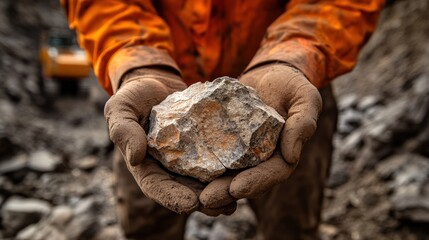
(288, 91)
(127, 114)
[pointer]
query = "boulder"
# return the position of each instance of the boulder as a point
(43, 161)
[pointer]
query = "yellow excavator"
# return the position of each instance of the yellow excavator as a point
(61, 59)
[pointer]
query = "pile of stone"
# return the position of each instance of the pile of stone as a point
(370, 130)
(381, 161)
(42, 196)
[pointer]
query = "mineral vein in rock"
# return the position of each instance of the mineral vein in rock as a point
(214, 126)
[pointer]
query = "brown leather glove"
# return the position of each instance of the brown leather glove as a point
(127, 114)
(288, 91)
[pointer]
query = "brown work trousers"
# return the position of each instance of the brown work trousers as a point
(290, 210)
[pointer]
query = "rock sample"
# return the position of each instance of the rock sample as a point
(214, 126)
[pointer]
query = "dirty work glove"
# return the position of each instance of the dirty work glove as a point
(127, 113)
(289, 92)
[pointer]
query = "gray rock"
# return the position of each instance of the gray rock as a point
(18, 212)
(13, 88)
(389, 166)
(79, 222)
(41, 232)
(240, 225)
(211, 127)
(85, 163)
(409, 180)
(411, 205)
(84, 223)
(351, 145)
(7, 109)
(400, 118)
(28, 232)
(421, 85)
(416, 117)
(43, 161)
(61, 215)
(14, 164)
(6, 184)
(51, 227)
(348, 121)
(328, 231)
(113, 232)
(196, 228)
(347, 102)
(372, 112)
(368, 102)
(397, 126)
(221, 232)
(339, 175)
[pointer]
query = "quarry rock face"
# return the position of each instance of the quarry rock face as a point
(214, 126)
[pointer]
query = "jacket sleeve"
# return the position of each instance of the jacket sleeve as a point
(321, 38)
(119, 36)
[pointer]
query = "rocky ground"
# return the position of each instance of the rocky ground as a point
(379, 183)
(55, 155)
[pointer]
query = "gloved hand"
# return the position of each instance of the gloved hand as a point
(127, 114)
(288, 91)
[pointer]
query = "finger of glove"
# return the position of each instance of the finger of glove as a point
(127, 112)
(125, 131)
(303, 111)
(195, 185)
(216, 193)
(255, 181)
(158, 185)
(295, 98)
(226, 210)
(218, 189)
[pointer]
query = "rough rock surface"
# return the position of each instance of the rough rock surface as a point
(211, 127)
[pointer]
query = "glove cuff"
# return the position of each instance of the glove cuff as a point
(271, 63)
(133, 57)
(301, 56)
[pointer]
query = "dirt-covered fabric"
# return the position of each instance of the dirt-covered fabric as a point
(213, 38)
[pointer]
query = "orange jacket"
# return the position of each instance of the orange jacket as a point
(204, 39)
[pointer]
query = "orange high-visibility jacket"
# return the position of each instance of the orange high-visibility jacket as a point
(204, 39)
